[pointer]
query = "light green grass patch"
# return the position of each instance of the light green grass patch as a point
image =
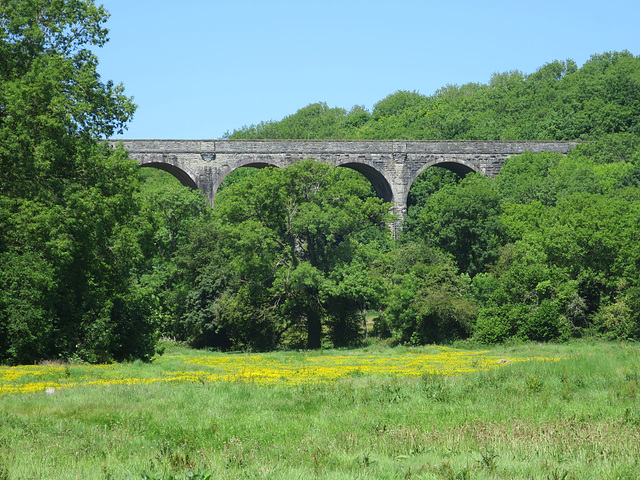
(577, 417)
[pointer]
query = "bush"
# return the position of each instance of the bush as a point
(496, 324)
(543, 324)
(619, 320)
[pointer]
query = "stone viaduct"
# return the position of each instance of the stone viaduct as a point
(390, 165)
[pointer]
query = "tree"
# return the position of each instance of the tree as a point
(291, 238)
(170, 219)
(427, 301)
(316, 120)
(67, 201)
(526, 178)
(463, 220)
(557, 102)
(397, 103)
(530, 297)
(425, 185)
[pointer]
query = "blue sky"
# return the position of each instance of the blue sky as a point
(197, 68)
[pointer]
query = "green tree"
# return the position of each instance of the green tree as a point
(67, 201)
(291, 230)
(464, 221)
(530, 297)
(169, 216)
(559, 101)
(357, 287)
(425, 185)
(316, 120)
(527, 178)
(427, 301)
(397, 103)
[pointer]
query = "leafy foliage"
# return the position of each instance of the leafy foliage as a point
(98, 258)
(573, 260)
(427, 301)
(286, 265)
(557, 102)
(67, 204)
(545, 251)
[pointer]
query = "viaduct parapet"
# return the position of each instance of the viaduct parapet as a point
(390, 165)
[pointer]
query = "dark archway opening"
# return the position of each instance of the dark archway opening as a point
(378, 181)
(458, 168)
(183, 177)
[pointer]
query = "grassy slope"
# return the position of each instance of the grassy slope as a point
(575, 418)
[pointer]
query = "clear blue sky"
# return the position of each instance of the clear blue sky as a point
(197, 68)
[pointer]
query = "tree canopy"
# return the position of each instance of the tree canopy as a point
(67, 206)
(557, 102)
(549, 246)
(99, 257)
(292, 237)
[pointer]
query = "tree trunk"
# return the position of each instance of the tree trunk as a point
(314, 329)
(363, 312)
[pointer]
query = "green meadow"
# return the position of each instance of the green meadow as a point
(524, 411)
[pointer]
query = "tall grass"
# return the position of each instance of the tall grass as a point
(574, 418)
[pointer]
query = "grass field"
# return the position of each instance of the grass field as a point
(529, 411)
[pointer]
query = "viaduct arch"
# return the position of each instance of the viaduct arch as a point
(390, 165)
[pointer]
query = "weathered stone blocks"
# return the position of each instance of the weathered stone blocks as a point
(391, 165)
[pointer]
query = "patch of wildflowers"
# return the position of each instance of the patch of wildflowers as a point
(259, 369)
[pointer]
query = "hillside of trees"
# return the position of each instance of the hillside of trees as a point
(98, 257)
(557, 102)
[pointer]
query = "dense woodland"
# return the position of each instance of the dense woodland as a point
(98, 257)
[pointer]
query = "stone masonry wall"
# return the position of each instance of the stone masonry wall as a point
(391, 165)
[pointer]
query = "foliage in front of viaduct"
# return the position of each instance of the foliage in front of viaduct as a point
(98, 257)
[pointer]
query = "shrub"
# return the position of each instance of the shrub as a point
(544, 323)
